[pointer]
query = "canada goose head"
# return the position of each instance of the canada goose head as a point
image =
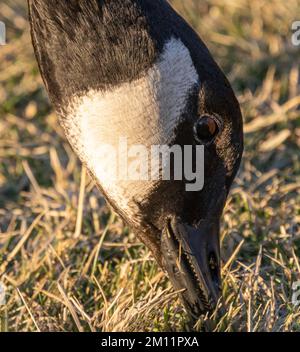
(133, 73)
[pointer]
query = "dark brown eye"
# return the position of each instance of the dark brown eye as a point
(206, 129)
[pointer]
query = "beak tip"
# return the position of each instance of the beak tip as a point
(197, 250)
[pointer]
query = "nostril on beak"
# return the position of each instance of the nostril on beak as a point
(213, 267)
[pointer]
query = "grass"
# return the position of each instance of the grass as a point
(69, 264)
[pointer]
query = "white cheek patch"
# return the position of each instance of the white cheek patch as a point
(145, 111)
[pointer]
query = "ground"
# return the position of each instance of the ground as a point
(69, 264)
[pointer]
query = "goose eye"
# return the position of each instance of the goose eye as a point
(206, 129)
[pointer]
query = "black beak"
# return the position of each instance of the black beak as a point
(191, 256)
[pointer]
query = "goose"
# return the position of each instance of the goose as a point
(135, 71)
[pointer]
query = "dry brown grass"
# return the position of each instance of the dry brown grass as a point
(70, 264)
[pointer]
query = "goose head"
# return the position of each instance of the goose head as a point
(125, 78)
